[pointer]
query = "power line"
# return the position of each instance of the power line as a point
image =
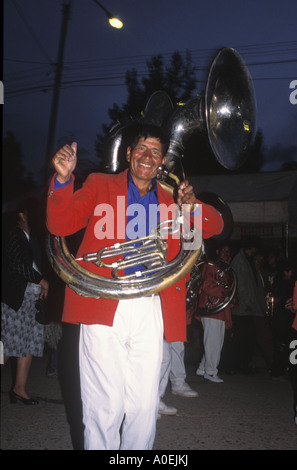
(115, 68)
(68, 72)
(35, 38)
(87, 83)
(286, 47)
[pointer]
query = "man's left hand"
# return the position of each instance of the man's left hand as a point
(186, 195)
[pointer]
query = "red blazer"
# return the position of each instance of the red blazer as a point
(210, 288)
(68, 212)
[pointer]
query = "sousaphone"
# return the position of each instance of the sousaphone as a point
(227, 114)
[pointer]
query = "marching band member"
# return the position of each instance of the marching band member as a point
(121, 342)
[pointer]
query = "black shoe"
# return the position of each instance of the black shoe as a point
(14, 397)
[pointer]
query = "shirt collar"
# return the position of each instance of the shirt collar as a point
(131, 184)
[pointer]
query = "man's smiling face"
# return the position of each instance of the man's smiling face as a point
(145, 159)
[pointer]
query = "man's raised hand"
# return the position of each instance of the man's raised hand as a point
(64, 162)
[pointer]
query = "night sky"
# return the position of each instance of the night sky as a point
(97, 57)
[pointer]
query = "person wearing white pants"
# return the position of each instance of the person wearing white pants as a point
(215, 288)
(213, 339)
(173, 369)
(120, 370)
(121, 341)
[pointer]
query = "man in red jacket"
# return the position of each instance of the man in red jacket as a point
(121, 341)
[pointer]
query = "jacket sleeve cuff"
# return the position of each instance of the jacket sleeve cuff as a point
(58, 185)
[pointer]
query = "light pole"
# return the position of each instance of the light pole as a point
(114, 22)
(57, 87)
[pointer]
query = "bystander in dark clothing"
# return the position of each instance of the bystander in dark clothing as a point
(251, 324)
(282, 319)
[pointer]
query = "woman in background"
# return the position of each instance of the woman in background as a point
(22, 285)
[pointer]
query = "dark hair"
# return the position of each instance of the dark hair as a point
(150, 130)
(34, 210)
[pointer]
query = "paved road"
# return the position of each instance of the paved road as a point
(243, 413)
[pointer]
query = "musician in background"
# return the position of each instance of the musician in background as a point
(291, 305)
(251, 324)
(215, 288)
(121, 341)
(282, 318)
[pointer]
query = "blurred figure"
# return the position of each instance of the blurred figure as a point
(215, 288)
(291, 305)
(271, 266)
(22, 285)
(282, 319)
(251, 324)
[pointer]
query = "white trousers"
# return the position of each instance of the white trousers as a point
(120, 373)
(213, 339)
(173, 366)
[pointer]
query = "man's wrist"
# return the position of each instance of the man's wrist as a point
(64, 182)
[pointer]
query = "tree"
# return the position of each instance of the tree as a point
(178, 80)
(15, 179)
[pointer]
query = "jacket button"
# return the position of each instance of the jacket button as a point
(177, 288)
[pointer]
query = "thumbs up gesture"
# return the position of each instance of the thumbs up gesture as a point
(65, 161)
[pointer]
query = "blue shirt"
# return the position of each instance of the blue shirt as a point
(141, 219)
(146, 219)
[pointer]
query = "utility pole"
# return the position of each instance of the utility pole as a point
(51, 140)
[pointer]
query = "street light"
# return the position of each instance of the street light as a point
(114, 22)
